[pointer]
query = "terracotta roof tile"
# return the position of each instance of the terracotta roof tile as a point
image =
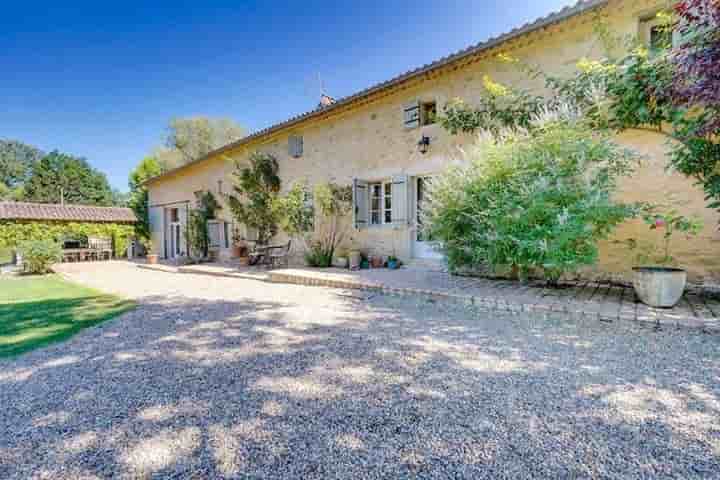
(73, 213)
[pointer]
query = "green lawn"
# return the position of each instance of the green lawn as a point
(36, 311)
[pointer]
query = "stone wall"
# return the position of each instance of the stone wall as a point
(370, 142)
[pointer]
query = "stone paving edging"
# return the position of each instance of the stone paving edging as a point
(657, 316)
(647, 315)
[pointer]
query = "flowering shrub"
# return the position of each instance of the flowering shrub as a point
(666, 221)
(530, 201)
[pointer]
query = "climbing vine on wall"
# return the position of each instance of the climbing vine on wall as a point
(13, 233)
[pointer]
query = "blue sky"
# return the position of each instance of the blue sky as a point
(102, 79)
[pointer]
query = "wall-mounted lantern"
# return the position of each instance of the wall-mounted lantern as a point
(424, 144)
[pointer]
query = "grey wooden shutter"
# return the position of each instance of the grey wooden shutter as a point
(295, 146)
(157, 229)
(360, 204)
(400, 199)
(411, 114)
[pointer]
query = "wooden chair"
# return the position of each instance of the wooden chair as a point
(100, 248)
(278, 255)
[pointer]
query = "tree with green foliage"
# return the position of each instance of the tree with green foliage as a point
(16, 163)
(191, 138)
(138, 197)
(256, 200)
(58, 176)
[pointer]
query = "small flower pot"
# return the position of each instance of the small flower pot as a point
(377, 262)
(239, 251)
(152, 258)
(659, 286)
(393, 264)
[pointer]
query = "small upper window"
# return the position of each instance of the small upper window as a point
(657, 33)
(418, 113)
(174, 215)
(428, 113)
(295, 146)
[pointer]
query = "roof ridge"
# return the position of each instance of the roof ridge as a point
(66, 205)
(581, 6)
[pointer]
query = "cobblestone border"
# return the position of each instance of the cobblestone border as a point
(644, 314)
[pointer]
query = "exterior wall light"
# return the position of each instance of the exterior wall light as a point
(424, 144)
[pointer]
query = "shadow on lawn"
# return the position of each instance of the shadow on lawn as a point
(235, 389)
(28, 325)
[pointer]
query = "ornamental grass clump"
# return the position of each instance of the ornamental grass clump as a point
(39, 255)
(530, 202)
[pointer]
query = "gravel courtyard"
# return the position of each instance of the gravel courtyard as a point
(227, 378)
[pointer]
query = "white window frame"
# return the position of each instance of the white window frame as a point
(383, 209)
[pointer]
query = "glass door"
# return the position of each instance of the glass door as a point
(423, 245)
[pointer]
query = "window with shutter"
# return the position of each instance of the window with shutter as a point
(360, 204)
(295, 146)
(411, 115)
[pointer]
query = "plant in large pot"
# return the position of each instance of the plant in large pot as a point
(152, 257)
(657, 279)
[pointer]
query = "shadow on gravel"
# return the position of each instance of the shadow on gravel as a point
(378, 388)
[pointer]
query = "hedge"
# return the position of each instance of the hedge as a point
(13, 233)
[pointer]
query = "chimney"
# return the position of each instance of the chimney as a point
(325, 101)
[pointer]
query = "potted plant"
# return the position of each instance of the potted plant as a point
(152, 257)
(377, 261)
(238, 243)
(657, 280)
(393, 263)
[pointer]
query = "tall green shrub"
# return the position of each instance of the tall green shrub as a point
(530, 201)
(196, 234)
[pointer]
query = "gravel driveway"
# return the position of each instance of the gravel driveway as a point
(225, 378)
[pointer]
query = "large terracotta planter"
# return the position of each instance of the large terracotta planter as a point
(152, 258)
(659, 286)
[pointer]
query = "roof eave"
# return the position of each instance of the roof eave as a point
(581, 7)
